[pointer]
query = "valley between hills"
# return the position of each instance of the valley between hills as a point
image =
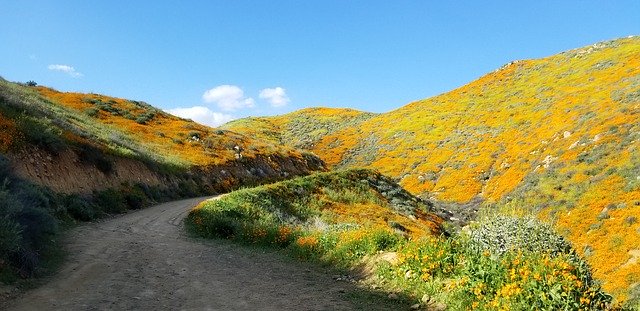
(518, 190)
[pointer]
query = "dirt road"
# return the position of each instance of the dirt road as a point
(144, 261)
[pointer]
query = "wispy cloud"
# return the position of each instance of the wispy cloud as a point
(228, 98)
(277, 96)
(202, 115)
(66, 69)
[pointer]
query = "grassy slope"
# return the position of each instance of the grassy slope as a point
(136, 127)
(301, 129)
(359, 218)
(557, 135)
(355, 198)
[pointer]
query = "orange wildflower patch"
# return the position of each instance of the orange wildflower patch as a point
(8, 133)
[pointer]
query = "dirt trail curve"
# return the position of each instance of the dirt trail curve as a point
(144, 261)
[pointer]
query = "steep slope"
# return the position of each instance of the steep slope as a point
(558, 135)
(302, 128)
(70, 156)
(45, 133)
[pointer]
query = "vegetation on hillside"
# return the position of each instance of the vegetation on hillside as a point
(137, 127)
(54, 120)
(32, 216)
(557, 136)
(98, 132)
(348, 218)
(300, 129)
(348, 202)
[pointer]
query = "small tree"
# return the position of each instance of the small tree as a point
(31, 83)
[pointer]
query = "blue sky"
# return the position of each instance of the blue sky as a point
(231, 59)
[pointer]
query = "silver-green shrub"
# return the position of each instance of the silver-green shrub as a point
(499, 234)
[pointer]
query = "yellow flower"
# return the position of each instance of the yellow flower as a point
(477, 291)
(425, 276)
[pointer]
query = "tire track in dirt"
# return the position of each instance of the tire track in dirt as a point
(144, 261)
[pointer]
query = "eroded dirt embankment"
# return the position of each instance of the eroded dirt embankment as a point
(68, 172)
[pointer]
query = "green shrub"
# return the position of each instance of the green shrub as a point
(4, 168)
(10, 230)
(384, 240)
(42, 133)
(499, 234)
(110, 201)
(145, 117)
(80, 208)
(135, 197)
(27, 226)
(92, 112)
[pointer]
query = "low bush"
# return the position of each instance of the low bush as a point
(504, 262)
(135, 196)
(27, 228)
(110, 201)
(81, 208)
(500, 234)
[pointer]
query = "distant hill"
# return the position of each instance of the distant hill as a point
(301, 129)
(557, 136)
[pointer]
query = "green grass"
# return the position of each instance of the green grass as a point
(501, 262)
(304, 215)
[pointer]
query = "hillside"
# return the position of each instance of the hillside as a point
(66, 157)
(557, 136)
(383, 238)
(46, 131)
(301, 129)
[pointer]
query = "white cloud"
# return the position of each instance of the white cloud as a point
(66, 69)
(202, 115)
(228, 98)
(277, 97)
